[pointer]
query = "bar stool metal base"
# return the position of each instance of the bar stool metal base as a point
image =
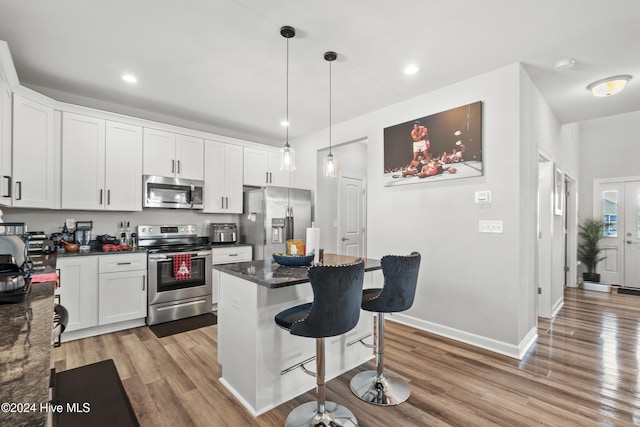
(382, 390)
(334, 415)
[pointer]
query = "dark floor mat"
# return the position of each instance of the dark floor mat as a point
(93, 395)
(183, 325)
(629, 291)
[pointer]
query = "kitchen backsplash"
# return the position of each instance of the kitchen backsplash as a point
(52, 221)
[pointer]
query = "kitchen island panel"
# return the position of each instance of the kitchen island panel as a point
(253, 350)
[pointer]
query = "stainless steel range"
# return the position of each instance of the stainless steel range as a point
(180, 281)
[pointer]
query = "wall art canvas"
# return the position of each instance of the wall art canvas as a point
(442, 146)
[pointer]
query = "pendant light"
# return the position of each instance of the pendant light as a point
(330, 165)
(287, 154)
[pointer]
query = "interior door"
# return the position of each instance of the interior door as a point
(351, 210)
(632, 234)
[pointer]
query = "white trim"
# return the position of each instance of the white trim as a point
(500, 347)
(100, 330)
(556, 307)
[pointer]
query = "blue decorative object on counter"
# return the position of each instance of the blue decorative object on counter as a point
(294, 260)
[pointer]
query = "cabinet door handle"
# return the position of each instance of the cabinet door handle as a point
(227, 200)
(19, 187)
(124, 263)
(108, 197)
(144, 281)
(173, 166)
(221, 202)
(9, 186)
(178, 166)
(270, 178)
(100, 196)
(267, 177)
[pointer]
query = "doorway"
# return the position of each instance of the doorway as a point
(351, 218)
(351, 159)
(617, 203)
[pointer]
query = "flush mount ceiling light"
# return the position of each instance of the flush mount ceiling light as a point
(287, 154)
(129, 78)
(330, 166)
(609, 86)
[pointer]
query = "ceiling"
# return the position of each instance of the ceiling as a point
(220, 65)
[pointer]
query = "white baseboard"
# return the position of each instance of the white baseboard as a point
(511, 350)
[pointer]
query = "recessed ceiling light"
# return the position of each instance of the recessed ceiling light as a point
(284, 123)
(129, 78)
(411, 69)
(609, 86)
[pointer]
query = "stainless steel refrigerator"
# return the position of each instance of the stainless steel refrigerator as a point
(273, 215)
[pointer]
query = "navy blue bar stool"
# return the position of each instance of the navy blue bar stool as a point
(397, 294)
(337, 295)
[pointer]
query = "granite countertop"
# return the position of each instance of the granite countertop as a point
(100, 252)
(25, 345)
(272, 275)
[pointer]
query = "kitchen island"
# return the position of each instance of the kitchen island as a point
(253, 351)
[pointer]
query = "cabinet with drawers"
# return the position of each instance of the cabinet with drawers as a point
(227, 255)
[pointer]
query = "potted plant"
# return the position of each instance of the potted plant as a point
(591, 231)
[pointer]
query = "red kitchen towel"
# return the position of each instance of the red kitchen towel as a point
(182, 266)
(46, 277)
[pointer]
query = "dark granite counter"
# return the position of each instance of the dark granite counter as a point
(25, 345)
(272, 275)
(100, 252)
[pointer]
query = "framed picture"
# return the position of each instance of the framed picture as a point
(558, 190)
(442, 146)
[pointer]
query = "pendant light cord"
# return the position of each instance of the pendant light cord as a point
(330, 107)
(287, 100)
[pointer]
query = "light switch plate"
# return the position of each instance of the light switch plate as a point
(493, 226)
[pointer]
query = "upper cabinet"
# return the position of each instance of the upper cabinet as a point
(5, 143)
(223, 178)
(100, 161)
(33, 153)
(262, 167)
(173, 155)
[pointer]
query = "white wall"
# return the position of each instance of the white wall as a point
(474, 287)
(608, 149)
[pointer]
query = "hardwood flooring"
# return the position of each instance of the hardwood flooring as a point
(582, 371)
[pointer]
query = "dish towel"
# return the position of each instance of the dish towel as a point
(182, 266)
(46, 277)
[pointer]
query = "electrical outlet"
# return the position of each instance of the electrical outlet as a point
(70, 223)
(482, 197)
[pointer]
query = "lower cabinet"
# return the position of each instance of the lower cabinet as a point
(122, 288)
(78, 276)
(227, 255)
(102, 293)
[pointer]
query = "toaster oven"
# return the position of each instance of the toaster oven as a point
(223, 233)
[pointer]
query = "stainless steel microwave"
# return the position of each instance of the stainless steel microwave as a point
(173, 193)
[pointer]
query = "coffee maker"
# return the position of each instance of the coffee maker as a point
(83, 235)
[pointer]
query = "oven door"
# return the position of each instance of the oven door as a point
(164, 287)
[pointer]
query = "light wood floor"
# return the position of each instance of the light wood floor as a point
(583, 371)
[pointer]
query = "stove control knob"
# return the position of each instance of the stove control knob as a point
(150, 230)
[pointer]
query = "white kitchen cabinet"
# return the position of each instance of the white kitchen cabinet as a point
(227, 255)
(173, 155)
(33, 153)
(223, 177)
(123, 167)
(100, 161)
(262, 167)
(122, 288)
(78, 276)
(5, 143)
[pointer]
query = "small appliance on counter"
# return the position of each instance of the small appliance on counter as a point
(223, 233)
(39, 243)
(83, 235)
(15, 266)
